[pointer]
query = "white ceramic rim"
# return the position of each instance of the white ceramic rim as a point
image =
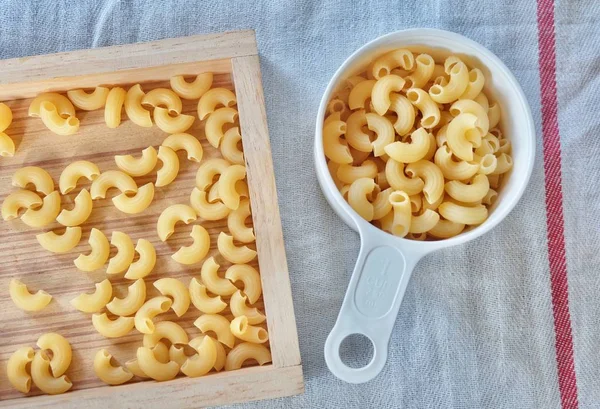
(343, 209)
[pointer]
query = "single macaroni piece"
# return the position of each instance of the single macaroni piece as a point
(459, 132)
(405, 112)
(452, 170)
(26, 301)
(212, 99)
(98, 255)
(423, 222)
(42, 376)
(112, 375)
(250, 279)
(227, 185)
(336, 149)
(383, 88)
(135, 298)
(6, 117)
(74, 171)
(79, 213)
(215, 122)
(150, 309)
(175, 289)
(138, 167)
(134, 109)
(194, 89)
(217, 324)
(394, 173)
(63, 104)
(221, 354)
(422, 73)
(112, 179)
(38, 177)
(384, 130)
(431, 175)
(167, 330)
(170, 166)
(494, 114)
(205, 359)
(211, 279)
(468, 193)
(208, 170)
(16, 369)
(236, 223)
(382, 205)
(44, 215)
(56, 123)
(197, 250)
(504, 163)
(136, 203)
(163, 97)
(144, 265)
(233, 253)
(204, 302)
(457, 85)
(241, 329)
(465, 106)
(229, 146)
(405, 152)
(161, 353)
(172, 124)
(475, 85)
(357, 197)
(356, 137)
(463, 214)
(187, 142)
(114, 104)
(153, 368)
(170, 216)
(245, 351)
(61, 352)
(430, 112)
(398, 58)
(7, 146)
(96, 301)
(238, 307)
(125, 253)
(112, 328)
(21, 199)
(360, 94)
(348, 173)
(206, 210)
(336, 116)
(178, 354)
(62, 243)
(89, 101)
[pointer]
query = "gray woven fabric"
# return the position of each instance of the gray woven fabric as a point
(476, 328)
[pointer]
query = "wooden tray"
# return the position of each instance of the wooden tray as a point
(234, 60)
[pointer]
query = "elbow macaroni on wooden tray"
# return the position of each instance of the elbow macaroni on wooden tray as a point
(415, 145)
(220, 193)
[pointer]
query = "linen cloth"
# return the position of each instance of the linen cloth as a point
(476, 328)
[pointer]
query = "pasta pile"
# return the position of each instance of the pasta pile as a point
(221, 192)
(415, 146)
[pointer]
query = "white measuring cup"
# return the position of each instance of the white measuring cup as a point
(385, 262)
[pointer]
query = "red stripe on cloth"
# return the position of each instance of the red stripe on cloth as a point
(567, 381)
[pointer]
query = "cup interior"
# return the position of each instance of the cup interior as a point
(501, 86)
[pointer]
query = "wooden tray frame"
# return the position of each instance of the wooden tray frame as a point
(234, 52)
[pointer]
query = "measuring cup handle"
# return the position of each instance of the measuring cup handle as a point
(370, 305)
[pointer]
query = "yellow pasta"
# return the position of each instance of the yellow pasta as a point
(136, 203)
(194, 89)
(209, 170)
(150, 309)
(167, 330)
(153, 368)
(88, 101)
(357, 197)
(333, 146)
(472, 192)
(414, 151)
(134, 109)
(423, 222)
(215, 122)
(74, 171)
(424, 67)
(125, 253)
(494, 114)
(135, 298)
(466, 106)
(138, 166)
(405, 112)
(197, 342)
(241, 329)
(144, 265)
(432, 177)
(381, 204)
(504, 164)
(229, 146)
(6, 117)
(112, 375)
(21, 199)
(63, 105)
(384, 130)
(451, 169)
(16, 369)
(429, 110)
(165, 98)
(457, 85)
(227, 185)
(360, 94)
(238, 307)
(172, 124)
(36, 176)
(245, 351)
(355, 135)
(233, 253)
(401, 213)
(212, 99)
(348, 173)
(170, 216)
(206, 210)
(463, 214)
(26, 301)
(170, 166)
(7, 145)
(61, 352)
(236, 223)
(62, 243)
(204, 302)
(475, 85)
(114, 105)
(184, 141)
(79, 213)
(177, 291)
(383, 88)
(112, 179)
(116, 328)
(43, 378)
(217, 324)
(384, 65)
(250, 279)
(98, 255)
(212, 280)
(195, 252)
(56, 123)
(205, 359)
(44, 215)
(161, 353)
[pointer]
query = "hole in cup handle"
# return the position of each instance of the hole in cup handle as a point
(371, 303)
